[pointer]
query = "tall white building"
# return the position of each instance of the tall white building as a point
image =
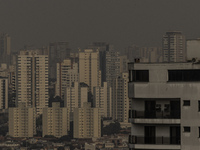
(32, 79)
(120, 100)
(89, 71)
(87, 122)
(174, 48)
(67, 73)
(22, 121)
(75, 96)
(55, 120)
(165, 106)
(101, 99)
(3, 93)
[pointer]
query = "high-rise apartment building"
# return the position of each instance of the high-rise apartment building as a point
(87, 122)
(5, 48)
(3, 93)
(165, 106)
(55, 120)
(67, 73)
(112, 66)
(112, 72)
(101, 99)
(58, 51)
(102, 47)
(22, 121)
(32, 79)
(89, 71)
(75, 96)
(174, 48)
(120, 100)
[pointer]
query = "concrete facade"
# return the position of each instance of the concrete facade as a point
(67, 73)
(87, 122)
(89, 70)
(174, 47)
(32, 79)
(75, 96)
(22, 121)
(120, 100)
(55, 120)
(101, 99)
(164, 108)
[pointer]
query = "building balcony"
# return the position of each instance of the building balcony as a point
(139, 142)
(154, 117)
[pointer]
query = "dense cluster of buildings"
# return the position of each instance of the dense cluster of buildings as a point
(154, 90)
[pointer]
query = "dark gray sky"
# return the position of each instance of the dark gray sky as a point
(80, 22)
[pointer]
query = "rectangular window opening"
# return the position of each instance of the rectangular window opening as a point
(139, 76)
(186, 129)
(186, 102)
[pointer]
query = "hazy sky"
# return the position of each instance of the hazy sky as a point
(80, 22)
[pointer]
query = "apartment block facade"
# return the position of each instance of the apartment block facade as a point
(55, 120)
(89, 70)
(165, 106)
(67, 73)
(101, 99)
(174, 47)
(87, 122)
(75, 96)
(22, 121)
(32, 79)
(120, 100)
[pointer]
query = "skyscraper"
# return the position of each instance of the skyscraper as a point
(32, 79)
(58, 51)
(75, 96)
(67, 73)
(174, 48)
(102, 47)
(112, 66)
(101, 99)
(5, 48)
(89, 71)
(120, 100)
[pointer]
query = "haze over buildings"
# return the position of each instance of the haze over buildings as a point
(94, 71)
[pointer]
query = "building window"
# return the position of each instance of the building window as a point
(139, 76)
(186, 102)
(186, 129)
(199, 132)
(184, 75)
(199, 105)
